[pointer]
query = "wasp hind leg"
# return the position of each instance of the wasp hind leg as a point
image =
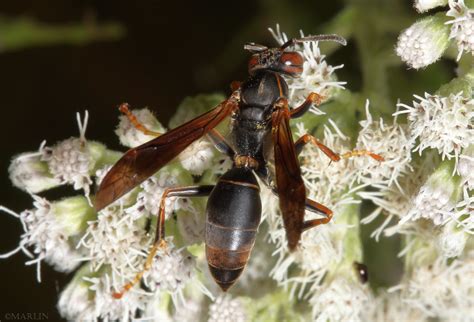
(310, 205)
(160, 243)
(316, 207)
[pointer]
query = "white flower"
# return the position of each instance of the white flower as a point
(464, 211)
(149, 199)
(395, 201)
(392, 142)
(319, 251)
(425, 5)
(197, 157)
(171, 269)
(190, 311)
(462, 29)
(70, 162)
(108, 308)
(48, 236)
(317, 77)
(226, 309)
(341, 300)
(431, 202)
(30, 174)
(465, 166)
(130, 136)
(442, 290)
(423, 43)
(73, 160)
(116, 239)
(442, 123)
(436, 198)
(74, 303)
(451, 241)
(389, 307)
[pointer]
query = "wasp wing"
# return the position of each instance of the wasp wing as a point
(139, 163)
(289, 183)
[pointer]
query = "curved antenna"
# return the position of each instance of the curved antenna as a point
(335, 38)
(255, 48)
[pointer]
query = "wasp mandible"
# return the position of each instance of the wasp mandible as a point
(260, 131)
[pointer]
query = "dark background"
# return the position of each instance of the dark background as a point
(172, 49)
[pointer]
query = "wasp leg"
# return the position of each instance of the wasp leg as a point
(314, 206)
(307, 138)
(235, 85)
(220, 143)
(125, 109)
(312, 98)
(160, 243)
(310, 205)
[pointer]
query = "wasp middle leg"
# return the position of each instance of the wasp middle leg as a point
(308, 138)
(220, 143)
(315, 98)
(160, 243)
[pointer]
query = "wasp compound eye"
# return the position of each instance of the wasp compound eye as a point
(291, 63)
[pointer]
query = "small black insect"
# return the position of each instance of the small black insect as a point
(362, 272)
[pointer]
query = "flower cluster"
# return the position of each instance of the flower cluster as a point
(110, 246)
(442, 123)
(424, 42)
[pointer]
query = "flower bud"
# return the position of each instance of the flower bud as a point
(451, 241)
(437, 197)
(424, 42)
(425, 5)
(29, 173)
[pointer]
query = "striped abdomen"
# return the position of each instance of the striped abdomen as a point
(233, 215)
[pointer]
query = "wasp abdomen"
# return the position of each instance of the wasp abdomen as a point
(233, 216)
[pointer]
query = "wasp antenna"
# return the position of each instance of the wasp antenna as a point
(254, 48)
(335, 38)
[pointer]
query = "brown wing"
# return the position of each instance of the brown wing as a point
(289, 183)
(139, 163)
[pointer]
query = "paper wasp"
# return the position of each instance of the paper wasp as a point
(260, 131)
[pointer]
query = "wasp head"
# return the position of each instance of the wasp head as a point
(280, 60)
(275, 59)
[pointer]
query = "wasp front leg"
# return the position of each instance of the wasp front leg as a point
(125, 109)
(160, 243)
(312, 99)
